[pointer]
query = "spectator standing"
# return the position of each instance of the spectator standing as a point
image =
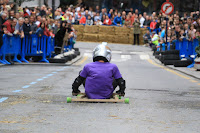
(97, 17)
(27, 27)
(90, 12)
(58, 15)
(103, 18)
(82, 20)
(86, 14)
(19, 27)
(89, 21)
(12, 13)
(33, 25)
(112, 18)
(110, 13)
(77, 17)
(147, 22)
(107, 21)
(82, 11)
(42, 11)
(153, 24)
(128, 21)
(136, 30)
(118, 20)
(97, 9)
(71, 19)
(55, 26)
(123, 19)
(8, 24)
(3, 18)
(39, 19)
(103, 12)
(141, 18)
(14, 24)
(64, 17)
(99, 22)
(17, 16)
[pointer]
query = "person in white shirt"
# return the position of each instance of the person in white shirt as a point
(39, 19)
(142, 19)
(99, 22)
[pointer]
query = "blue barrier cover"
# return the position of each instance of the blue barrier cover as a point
(30, 45)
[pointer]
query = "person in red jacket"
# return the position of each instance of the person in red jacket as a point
(45, 29)
(8, 24)
(107, 21)
(153, 24)
(82, 20)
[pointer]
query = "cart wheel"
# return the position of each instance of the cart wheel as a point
(126, 100)
(69, 99)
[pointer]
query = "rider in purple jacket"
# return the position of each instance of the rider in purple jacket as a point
(101, 77)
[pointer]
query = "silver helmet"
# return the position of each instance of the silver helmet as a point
(102, 51)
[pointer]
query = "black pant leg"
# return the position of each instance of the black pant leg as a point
(138, 40)
(134, 39)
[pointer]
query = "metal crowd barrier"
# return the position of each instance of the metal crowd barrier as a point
(30, 45)
(187, 48)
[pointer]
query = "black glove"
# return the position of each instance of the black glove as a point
(76, 92)
(122, 85)
(78, 81)
(120, 93)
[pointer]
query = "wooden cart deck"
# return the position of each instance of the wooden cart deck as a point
(83, 98)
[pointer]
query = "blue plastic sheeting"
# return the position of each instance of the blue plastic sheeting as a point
(30, 45)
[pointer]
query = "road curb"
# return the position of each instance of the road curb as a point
(172, 68)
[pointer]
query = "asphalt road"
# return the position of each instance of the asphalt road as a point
(33, 98)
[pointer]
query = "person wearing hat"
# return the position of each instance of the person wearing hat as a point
(100, 78)
(154, 39)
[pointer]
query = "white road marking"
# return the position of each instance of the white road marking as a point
(116, 52)
(32, 83)
(49, 75)
(88, 54)
(54, 72)
(122, 59)
(144, 57)
(26, 86)
(88, 51)
(3, 99)
(128, 57)
(17, 91)
(39, 79)
(138, 53)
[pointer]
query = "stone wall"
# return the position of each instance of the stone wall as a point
(110, 34)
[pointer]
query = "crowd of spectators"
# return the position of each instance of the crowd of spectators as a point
(39, 20)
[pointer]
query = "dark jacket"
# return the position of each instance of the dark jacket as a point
(1, 37)
(33, 28)
(147, 22)
(26, 28)
(42, 13)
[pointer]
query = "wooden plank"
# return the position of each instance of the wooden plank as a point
(83, 98)
(98, 100)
